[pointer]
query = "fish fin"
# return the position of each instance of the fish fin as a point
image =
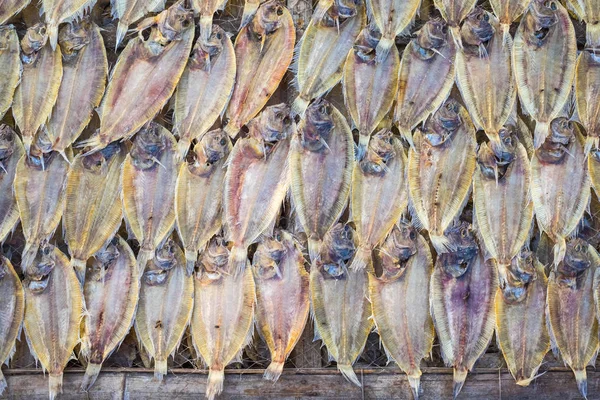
(460, 374)
(91, 374)
(415, 384)
(206, 26)
(214, 386)
(581, 378)
(440, 243)
(160, 369)
(362, 259)
(560, 249)
(540, 133)
(142, 259)
(349, 374)
(238, 258)
(55, 383)
(383, 49)
(273, 371)
(299, 106)
(94, 142)
(79, 267)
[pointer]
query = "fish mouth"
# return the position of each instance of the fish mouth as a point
(36, 285)
(514, 294)
(212, 156)
(454, 264)
(405, 253)
(334, 270)
(155, 278)
(436, 138)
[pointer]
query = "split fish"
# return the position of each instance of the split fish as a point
(454, 12)
(206, 9)
(587, 95)
(130, 11)
(507, 12)
(57, 12)
(10, 8)
(11, 313)
(10, 59)
(11, 151)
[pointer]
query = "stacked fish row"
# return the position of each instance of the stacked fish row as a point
(222, 198)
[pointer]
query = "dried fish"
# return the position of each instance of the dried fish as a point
(560, 187)
(454, 12)
(436, 196)
(391, 17)
(149, 180)
(10, 8)
(206, 9)
(53, 311)
(543, 58)
(111, 292)
(589, 11)
(130, 11)
(10, 59)
(250, 8)
(11, 313)
(594, 169)
(58, 11)
(507, 12)
(426, 76)
(369, 87)
(322, 161)
(198, 197)
(282, 302)
(257, 180)
(263, 52)
(223, 313)
(165, 305)
(400, 300)
(11, 151)
(587, 96)
(204, 88)
(339, 296)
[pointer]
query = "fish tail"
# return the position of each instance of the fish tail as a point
(440, 243)
(91, 374)
(349, 374)
(383, 48)
(215, 383)
(320, 10)
(182, 149)
(273, 371)
(299, 106)
(560, 249)
(28, 256)
(415, 384)
(250, 8)
(27, 141)
(142, 259)
(592, 35)
(52, 30)
(190, 261)
(407, 135)
(55, 383)
(314, 248)
(79, 267)
(121, 32)
(581, 378)
(540, 133)
(3, 384)
(460, 375)
(505, 33)
(206, 27)
(160, 369)
(591, 142)
(363, 145)
(231, 130)
(455, 32)
(361, 259)
(238, 258)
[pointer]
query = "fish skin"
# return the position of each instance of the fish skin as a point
(10, 60)
(400, 301)
(485, 78)
(10, 8)
(319, 206)
(369, 86)
(11, 151)
(85, 68)
(93, 204)
(507, 12)
(263, 51)
(282, 297)
(204, 88)
(379, 194)
(454, 12)
(572, 306)
(586, 92)
(198, 197)
(148, 181)
(58, 11)
(262, 157)
(11, 314)
(543, 98)
(436, 198)
(40, 82)
(130, 11)
(206, 9)
(560, 187)
(419, 95)
(111, 294)
(223, 313)
(53, 312)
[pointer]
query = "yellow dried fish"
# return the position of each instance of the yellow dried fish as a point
(36, 94)
(282, 302)
(454, 12)
(339, 296)
(426, 76)
(436, 196)
(93, 204)
(111, 293)
(560, 187)
(263, 52)
(53, 311)
(58, 11)
(10, 8)
(204, 88)
(543, 59)
(11, 313)
(198, 197)
(369, 87)
(594, 169)
(148, 179)
(206, 9)
(322, 161)
(507, 12)
(379, 194)
(10, 60)
(223, 313)
(589, 11)
(587, 96)
(400, 300)
(11, 151)
(129, 11)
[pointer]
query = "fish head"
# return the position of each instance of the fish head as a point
(461, 240)
(317, 126)
(148, 145)
(333, 269)
(6, 33)
(268, 256)
(206, 52)
(273, 124)
(164, 257)
(174, 21)
(522, 268)
(34, 40)
(578, 259)
(365, 44)
(40, 154)
(399, 246)
(7, 140)
(267, 20)
(542, 16)
(155, 277)
(110, 253)
(477, 28)
(380, 152)
(96, 162)
(74, 36)
(213, 147)
(554, 148)
(430, 38)
(443, 123)
(494, 161)
(38, 274)
(453, 264)
(213, 262)
(340, 242)
(513, 292)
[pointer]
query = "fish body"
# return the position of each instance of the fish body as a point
(454, 12)
(53, 311)
(206, 9)
(11, 151)
(543, 57)
(263, 51)
(10, 8)
(587, 96)
(130, 11)
(111, 293)
(58, 11)
(10, 59)
(508, 11)
(589, 11)
(594, 170)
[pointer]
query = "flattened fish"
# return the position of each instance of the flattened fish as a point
(111, 293)
(38, 90)
(521, 326)
(400, 301)
(484, 74)
(165, 305)
(11, 313)
(463, 289)
(370, 87)
(257, 180)
(263, 52)
(223, 313)
(587, 96)
(93, 203)
(426, 76)
(339, 297)
(454, 12)
(10, 8)
(198, 197)
(145, 76)
(58, 11)
(560, 187)
(129, 11)
(148, 179)
(53, 311)
(436, 196)
(85, 67)
(204, 88)
(543, 58)
(507, 12)
(379, 194)
(323, 50)
(206, 9)
(282, 302)
(322, 161)
(11, 151)
(10, 59)
(594, 169)
(572, 291)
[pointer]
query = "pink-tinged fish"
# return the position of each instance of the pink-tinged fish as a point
(11, 313)
(10, 8)
(57, 12)
(10, 60)
(130, 11)
(11, 151)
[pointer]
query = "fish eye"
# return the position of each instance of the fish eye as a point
(486, 17)
(553, 6)
(278, 237)
(185, 23)
(287, 120)
(222, 142)
(464, 232)
(279, 11)
(219, 36)
(578, 248)
(46, 250)
(412, 235)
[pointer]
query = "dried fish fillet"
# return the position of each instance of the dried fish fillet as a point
(391, 17)
(130, 11)
(10, 8)
(111, 293)
(206, 9)
(58, 11)
(507, 12)
(10, 60)
(454, 12)
(11, 313)
(11, 151)
(587, 100)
